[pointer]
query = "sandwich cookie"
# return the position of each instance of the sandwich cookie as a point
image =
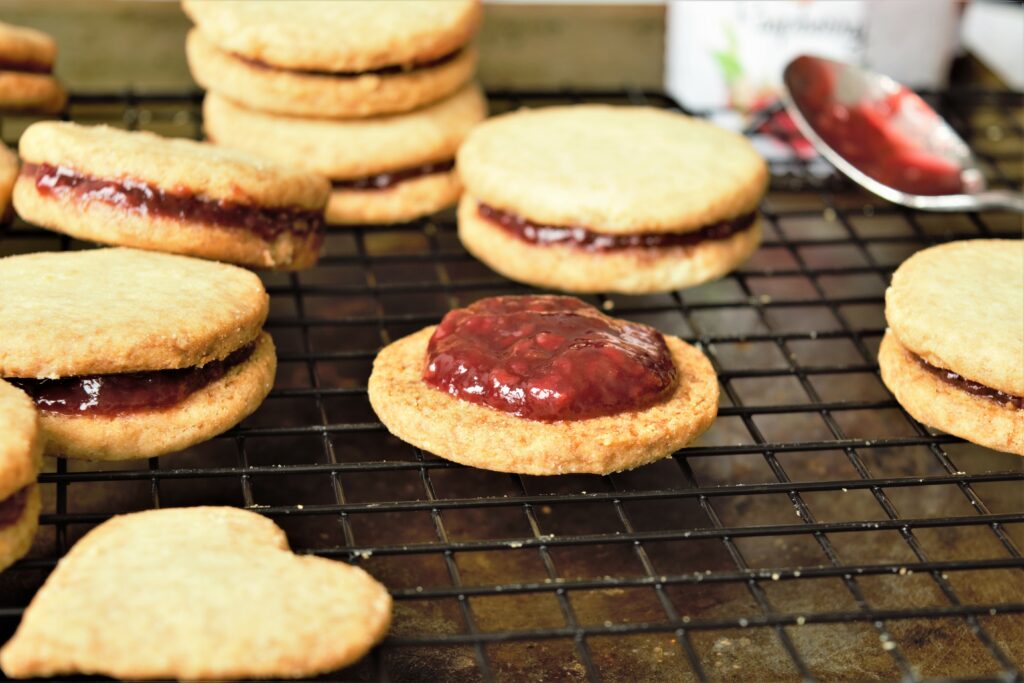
(26, 71)
(385, 169)
(8, 174)
(543, 385)
(954, 352)
(593, 198)
(202, 593)
(141, 190)
(21, 448)
(133, 354)
(334, 60)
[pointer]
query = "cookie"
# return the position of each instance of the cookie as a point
(344, 37)
(954, 352)
(133, 354)
(8, 173)
(260, 86)
(599, 192)
(384, 169)
(141, 190)
(21, 447)
(202, 593)
(587, 414)
(26, 71)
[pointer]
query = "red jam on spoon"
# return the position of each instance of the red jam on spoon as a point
(548, 358)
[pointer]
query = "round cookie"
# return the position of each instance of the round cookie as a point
(955, 314)
(357, 35)
(611, 173)
(350, 150)
(324, 95)
(8, 174)
(21, 447)
(631, 270)
(482, 437)
(181, 196)
(26, 63)
(113, 311)
(201, 593)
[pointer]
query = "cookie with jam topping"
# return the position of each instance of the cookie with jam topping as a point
(133, 354)
(592, 198)
(21, 447)
(543, 385)
(26, 71)
(385, 169)
(138, 189)
(954, 352)
(336, 59)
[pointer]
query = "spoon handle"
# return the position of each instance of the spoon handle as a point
(1000, 199)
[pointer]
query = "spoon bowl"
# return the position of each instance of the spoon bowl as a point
(886, 138)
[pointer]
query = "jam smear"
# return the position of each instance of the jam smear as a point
(972, 387)
(880, 135)
(583, 238)
(28, 67)
(385, 181)
(383, 71)
(548, 358)
(129, 392)
(12, 506)
(133, 195)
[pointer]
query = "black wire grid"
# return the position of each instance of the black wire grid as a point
(816, 532)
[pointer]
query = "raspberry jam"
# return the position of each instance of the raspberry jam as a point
(383, 71)
(385, 181)
(145, 199)
(128, 392)
(537, 233)
(548, 358)
(972, 387)
(12, 506)
(25, 66)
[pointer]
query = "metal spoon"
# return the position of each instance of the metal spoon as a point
(886, 138)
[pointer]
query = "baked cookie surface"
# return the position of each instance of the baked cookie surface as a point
(21, 447)
(26, 63)
(196, 594)
(8, 174)
(140, 190)
(938, 403)
(570, 269)
(485, 437)
(325, 95)
(360, 151)
(357, 35)
(959, 306)
(108, 311)
(342, 150)
(615, 170)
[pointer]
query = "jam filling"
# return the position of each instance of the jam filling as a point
(133, 195)
(383, 71)
(548, 358)
(385, 181)
(129, 392)
(27, 67)
(12, 506)
(576, 236)
(972, 387)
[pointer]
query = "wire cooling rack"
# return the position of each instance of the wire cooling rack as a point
(816, 532)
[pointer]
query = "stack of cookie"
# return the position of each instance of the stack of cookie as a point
(374, 95)
(26, 71)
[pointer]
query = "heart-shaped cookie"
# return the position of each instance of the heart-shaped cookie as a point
(196, 593)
